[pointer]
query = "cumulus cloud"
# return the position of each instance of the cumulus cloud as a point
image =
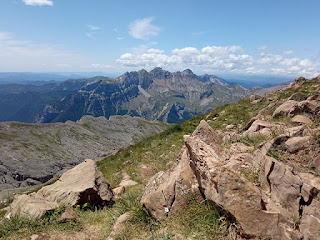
(269, 58)
(143, 29)
(214, 57)
(219, 59)
(38, 2)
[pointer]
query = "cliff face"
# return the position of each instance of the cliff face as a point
(34, 153)
(155, 95)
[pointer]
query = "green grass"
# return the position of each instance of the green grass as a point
(203, 220)
(239, 113)
(86, 126)
(155, 151)
(15, 227)
(306, 90)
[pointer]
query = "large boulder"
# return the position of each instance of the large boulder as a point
(236, 194)
(272, 201)
(295, 144)
(30, 206)
(260, 126)
(316, 163)
(82, 184)
(252, 120)
(291, 108)
(287, 108)
(282, 184)
(310, 206)
(301, 119)
(167, 192)
(210, 136)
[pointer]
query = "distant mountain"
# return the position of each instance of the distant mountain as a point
(33, 78)
(250, 81)
(24, 102)
(155, 95)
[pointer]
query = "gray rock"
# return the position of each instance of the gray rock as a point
(35, 153)
(82, 184)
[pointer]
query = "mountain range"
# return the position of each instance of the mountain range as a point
(154, 95)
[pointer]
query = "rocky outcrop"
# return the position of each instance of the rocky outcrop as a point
(82, 184)
(297, 143)
(301, 119)
(287, 108)
(262, 127)
(167, 192)
(282, 205)
(291, 108)
(236, 194)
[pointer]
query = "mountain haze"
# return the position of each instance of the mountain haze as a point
(19, 102)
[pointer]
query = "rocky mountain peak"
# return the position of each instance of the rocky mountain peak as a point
(158, 73)
(187, 72)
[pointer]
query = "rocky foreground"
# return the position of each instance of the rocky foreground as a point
(271, 198)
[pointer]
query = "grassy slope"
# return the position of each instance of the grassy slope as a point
(199, 221)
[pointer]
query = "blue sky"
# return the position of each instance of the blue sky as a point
(275, 37)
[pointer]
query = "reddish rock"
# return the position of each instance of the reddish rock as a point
(167, 192)
(297, 143)
(301, 119)
(287, 108)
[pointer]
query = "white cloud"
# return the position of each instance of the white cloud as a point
(93, 28)
(38, 2)
(4, 36)
(215, 58)
(219, 59)
(143, 29)
(269, 58)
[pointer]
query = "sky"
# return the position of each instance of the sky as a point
(253, 37)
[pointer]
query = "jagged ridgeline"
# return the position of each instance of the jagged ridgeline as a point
(155, 95)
